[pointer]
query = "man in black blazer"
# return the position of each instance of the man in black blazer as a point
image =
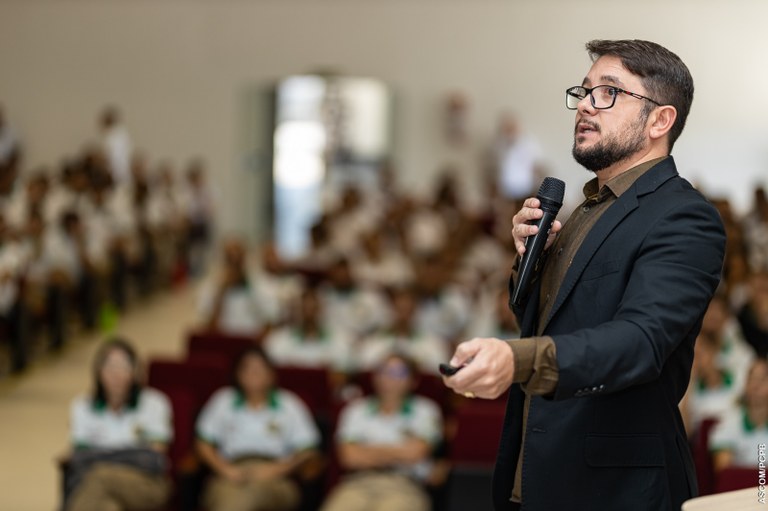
(592, 418)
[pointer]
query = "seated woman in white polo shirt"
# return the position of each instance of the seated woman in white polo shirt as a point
(385, 442)
(120, 434)
(254, 437)
(736, 437)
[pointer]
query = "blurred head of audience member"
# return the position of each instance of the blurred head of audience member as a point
(116, 375)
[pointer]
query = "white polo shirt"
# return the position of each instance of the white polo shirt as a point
(428, 351)
(362, 422)
(278, 429)
(289, 347)
(96, 425)
(737, 434)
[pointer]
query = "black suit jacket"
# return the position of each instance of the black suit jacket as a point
(624, 324)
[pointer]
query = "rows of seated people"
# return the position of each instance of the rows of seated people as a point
(77, 245)
(726, 407)
(257, 446)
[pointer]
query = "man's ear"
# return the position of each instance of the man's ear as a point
(661, 121)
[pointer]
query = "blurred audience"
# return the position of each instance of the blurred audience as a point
(255, 437)
(735, 439)
(120, 434)
(232, 301)
(402, 336)
(308, 340)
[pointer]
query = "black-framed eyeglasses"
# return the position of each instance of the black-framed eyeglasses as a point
(602, 97)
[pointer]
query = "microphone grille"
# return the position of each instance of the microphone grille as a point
(552, 189)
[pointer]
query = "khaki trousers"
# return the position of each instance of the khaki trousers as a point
(378, 492)
(113, 487)
(277, 495)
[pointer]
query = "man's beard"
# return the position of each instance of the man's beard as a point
(612, 149)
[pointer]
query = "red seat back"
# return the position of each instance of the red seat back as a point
(478, 430)
(200, 378)
(702, 458)
(311, 384)
(184, 404)
(731, 479)
(229, 346)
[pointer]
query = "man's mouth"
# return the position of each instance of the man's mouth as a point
(584, 128)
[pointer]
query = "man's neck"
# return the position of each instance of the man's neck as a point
(618, 168)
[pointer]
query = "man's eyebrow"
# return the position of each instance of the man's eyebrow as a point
(612, 80)
(585, 82)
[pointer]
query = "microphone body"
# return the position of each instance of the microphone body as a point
(550, 196)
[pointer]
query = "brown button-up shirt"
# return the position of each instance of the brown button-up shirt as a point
(535, 357)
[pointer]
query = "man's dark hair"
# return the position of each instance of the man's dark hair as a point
(665, 77)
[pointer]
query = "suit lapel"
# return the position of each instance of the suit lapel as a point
(612, 217)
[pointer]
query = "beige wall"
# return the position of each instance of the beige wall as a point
(179, 69)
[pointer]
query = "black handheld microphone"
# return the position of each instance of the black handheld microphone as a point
(550, 195)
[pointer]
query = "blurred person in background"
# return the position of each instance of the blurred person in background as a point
(27, 199)
(350, 306)
(443, 306)
(120, 434)
(47, 277)
(379, 265)
(10, 148)
(756, 231)
(200, 207)
(165, 221)
(255, 437)
(714, 390)
(307, 340)
(116, 144)
(385, 444)
(232, 301)
(734, 354)
(734, 440)
(753, 315)
(11, 306)
(517, 158)
(401, 336)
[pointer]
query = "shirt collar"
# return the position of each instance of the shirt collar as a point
(273, 403)
(407, 408)
(618, 184)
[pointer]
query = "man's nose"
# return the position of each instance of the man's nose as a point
(585, 106)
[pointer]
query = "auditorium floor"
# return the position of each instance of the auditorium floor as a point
(34, 407)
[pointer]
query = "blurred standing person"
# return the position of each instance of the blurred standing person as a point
(756, 232)
(10, 150)
(517, 159)
(116, 144)
(199, 202)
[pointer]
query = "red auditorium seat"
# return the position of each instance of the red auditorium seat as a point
(312, 385)
(478, 430)
(702, 459)
(184, 404)
(731, 479)
(202, 344)
(200, 378)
